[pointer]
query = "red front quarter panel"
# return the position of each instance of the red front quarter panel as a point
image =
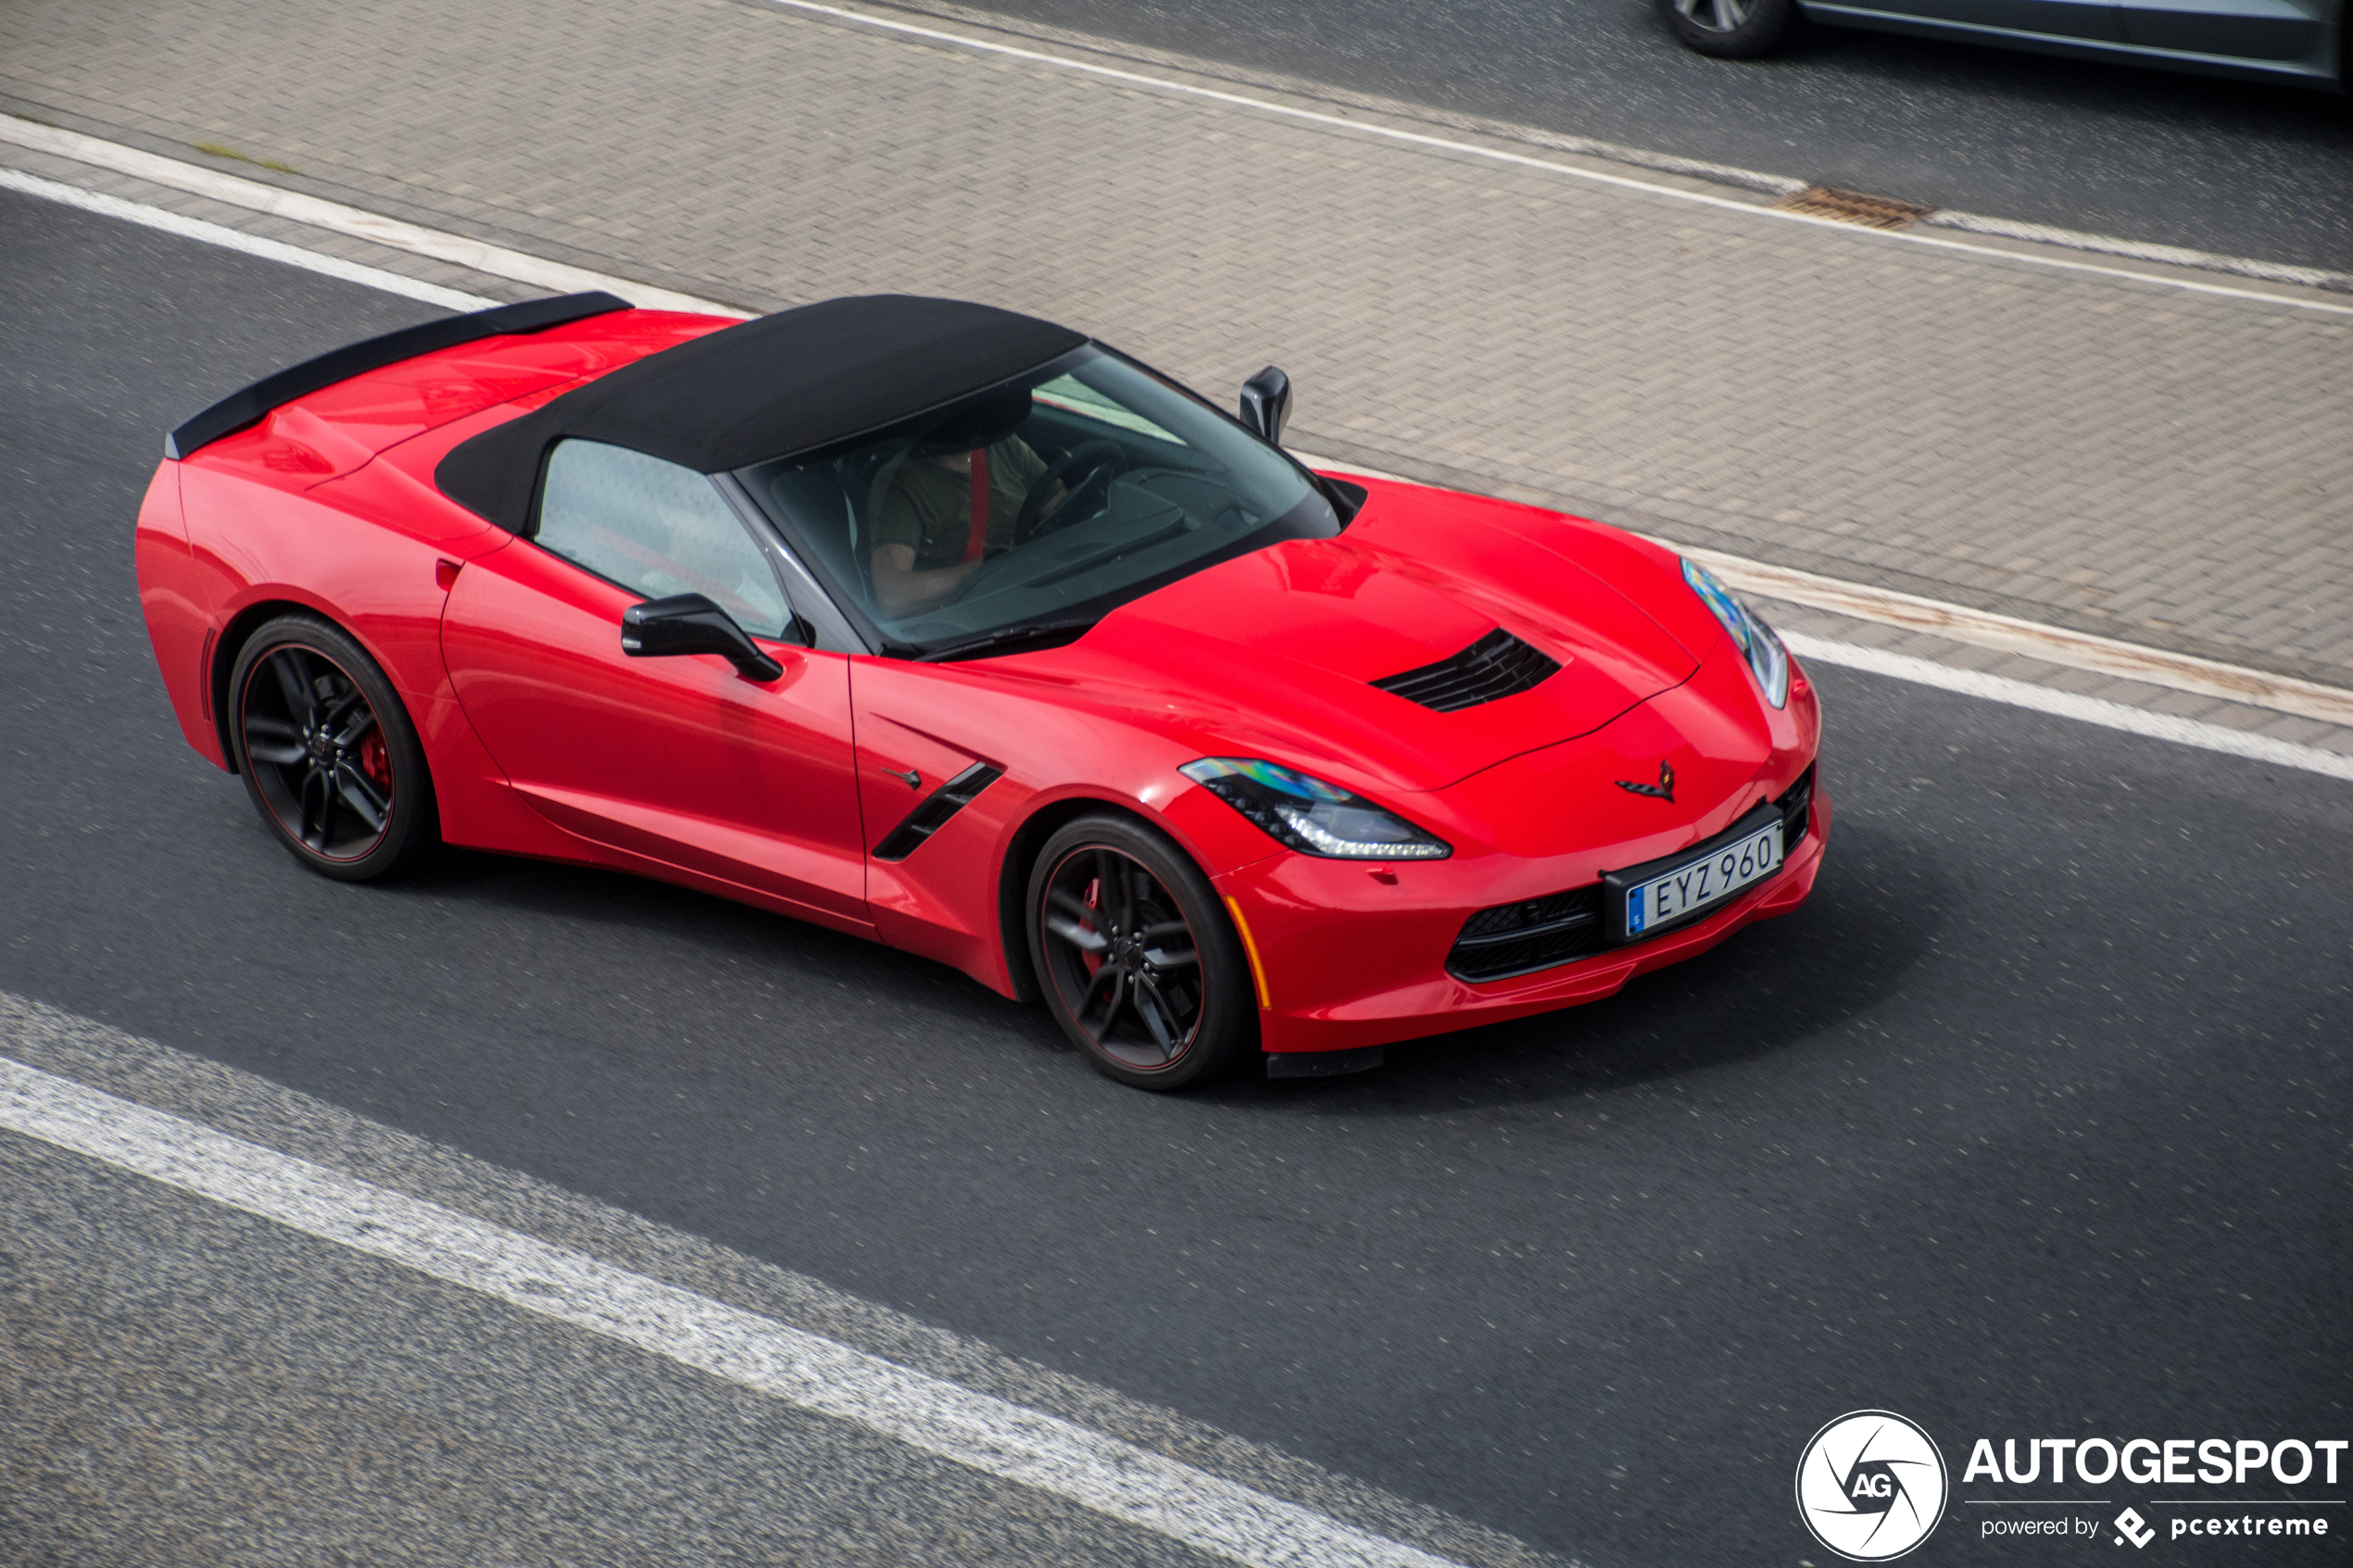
(1057, 743)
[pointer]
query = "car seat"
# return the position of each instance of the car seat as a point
(818, 499)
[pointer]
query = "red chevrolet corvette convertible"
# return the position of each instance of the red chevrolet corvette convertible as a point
(959, 631)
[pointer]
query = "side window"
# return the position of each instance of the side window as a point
(657, 530)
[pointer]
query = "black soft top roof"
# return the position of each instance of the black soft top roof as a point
(793, 382)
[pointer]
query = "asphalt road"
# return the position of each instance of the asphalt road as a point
(2031, 1122)
(2234, 168)
(187, 1384)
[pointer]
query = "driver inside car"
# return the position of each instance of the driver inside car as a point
(949, 501)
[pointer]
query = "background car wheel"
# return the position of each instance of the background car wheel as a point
(328, 754)
(1738, 29)
(1138, 960)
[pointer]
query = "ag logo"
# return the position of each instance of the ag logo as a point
(1871, 1486)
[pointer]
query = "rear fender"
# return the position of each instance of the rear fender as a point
(253, 544)
(175, 602)
(254, 551)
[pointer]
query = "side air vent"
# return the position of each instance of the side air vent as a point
(1498, 665)
(933, 814)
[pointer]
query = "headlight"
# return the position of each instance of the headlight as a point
(1310, 816)
(1766, 659)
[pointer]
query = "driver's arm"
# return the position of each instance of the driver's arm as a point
(899, 589)
(1019, 460)
(1027, 468)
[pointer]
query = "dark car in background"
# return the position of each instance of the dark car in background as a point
(2292, 42)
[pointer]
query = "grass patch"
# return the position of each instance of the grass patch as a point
(214, 149)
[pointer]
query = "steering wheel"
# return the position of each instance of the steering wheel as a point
(1106, 462)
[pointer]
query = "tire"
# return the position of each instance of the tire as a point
(1110, 896)
(1732, 30)
(327, 751)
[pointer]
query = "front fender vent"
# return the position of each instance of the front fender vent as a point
(933, 814)
(1498, 665)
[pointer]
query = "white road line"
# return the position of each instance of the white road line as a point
(475, 255)
(2050, 644)
(1116, 1478)
(2068, 705)
(231, 239)
(2031, 639)
(1497, 154)
(2139, 250)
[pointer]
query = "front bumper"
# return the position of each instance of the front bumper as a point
(1355, 955)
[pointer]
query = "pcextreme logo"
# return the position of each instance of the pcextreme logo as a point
(1871, 1486)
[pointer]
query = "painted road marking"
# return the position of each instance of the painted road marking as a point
(2068, 705)
(2052, 644)
(475, 255)
(2031, 639)
(1111, 1477)
(231, 239)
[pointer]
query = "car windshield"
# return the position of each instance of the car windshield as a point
(1030, 510)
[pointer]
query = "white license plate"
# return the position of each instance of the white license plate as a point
(1697, 883)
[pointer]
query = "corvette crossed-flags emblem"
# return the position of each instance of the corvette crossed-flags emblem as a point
(1663, 790)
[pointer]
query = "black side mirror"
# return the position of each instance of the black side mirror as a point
(1266, 403)
(691, 624)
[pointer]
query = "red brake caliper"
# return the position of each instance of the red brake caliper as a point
(1093, 899)
(376, 763)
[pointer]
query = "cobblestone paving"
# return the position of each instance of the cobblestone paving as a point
(2151, 463)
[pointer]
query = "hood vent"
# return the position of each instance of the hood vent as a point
(1498, 665)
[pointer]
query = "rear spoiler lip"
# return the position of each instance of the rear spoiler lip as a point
(254, 403)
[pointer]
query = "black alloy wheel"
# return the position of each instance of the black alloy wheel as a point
(328, 754)
(1138, 960)
(1735, 30)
